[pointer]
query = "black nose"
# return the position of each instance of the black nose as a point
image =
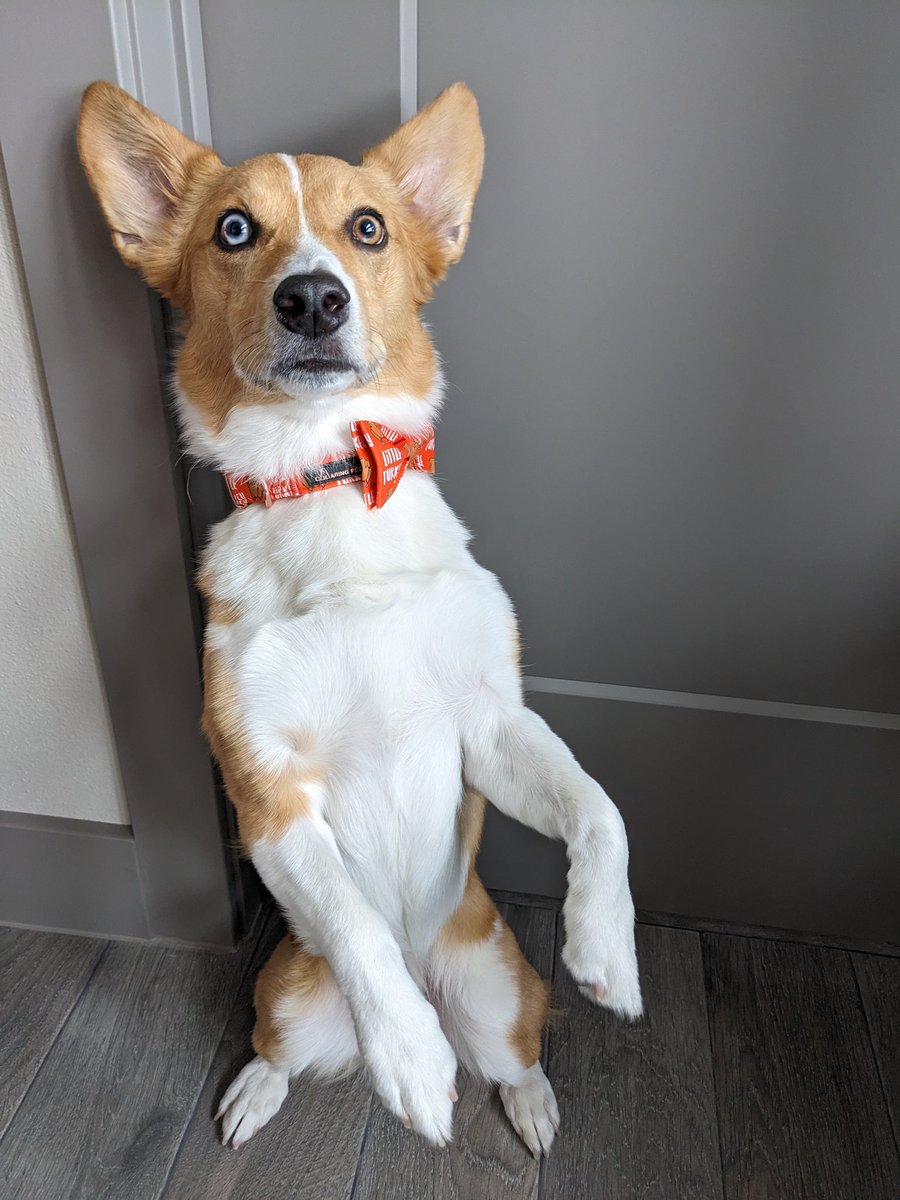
(311, 304)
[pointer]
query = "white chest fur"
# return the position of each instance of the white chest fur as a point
(367, 634)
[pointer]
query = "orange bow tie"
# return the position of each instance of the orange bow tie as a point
(381, 458)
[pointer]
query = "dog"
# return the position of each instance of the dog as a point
(361, 671)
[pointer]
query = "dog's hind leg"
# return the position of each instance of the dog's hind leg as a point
(493, 1008)
(302, 1022)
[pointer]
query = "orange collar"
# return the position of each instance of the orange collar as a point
(382, 455)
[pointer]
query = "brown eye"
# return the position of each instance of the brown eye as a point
(368, 229)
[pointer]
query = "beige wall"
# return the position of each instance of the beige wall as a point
(57, 755)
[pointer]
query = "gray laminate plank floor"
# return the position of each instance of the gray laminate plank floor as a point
(879, 987)
(41, 977)
(309, 1149)
(802, 1112)
(762, 1070)
(108, 1107)
(637, 1100)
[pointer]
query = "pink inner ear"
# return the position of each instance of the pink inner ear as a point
(154, 189)
(423, 185)
(422, 179)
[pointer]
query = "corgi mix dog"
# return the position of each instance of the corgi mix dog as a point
(362, 686)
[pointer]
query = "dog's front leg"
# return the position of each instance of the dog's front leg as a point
(410, 1061)
(526, 771)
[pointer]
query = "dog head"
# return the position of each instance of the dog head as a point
(300, 278)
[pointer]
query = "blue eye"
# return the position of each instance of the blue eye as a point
(234, 230)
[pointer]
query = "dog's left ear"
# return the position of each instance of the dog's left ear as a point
(436, 159)
(142, 170)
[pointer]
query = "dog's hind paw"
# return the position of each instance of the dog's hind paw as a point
(254, 1098)
(531, 1108)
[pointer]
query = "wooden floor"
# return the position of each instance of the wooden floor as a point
(763, 1070)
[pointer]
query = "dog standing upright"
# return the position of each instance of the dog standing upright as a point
(362, 690)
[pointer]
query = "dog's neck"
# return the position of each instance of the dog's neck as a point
(276, 441)
(282, 560)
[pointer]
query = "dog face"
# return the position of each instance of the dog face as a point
(299, 277)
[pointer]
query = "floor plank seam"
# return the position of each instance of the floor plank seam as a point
(254, 937)
(877, 1057)
(77, 1000)
(712, 1061)
(362, 1146)
(164, 1183)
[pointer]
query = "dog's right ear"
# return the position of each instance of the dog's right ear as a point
(142, 170)
(435, 159)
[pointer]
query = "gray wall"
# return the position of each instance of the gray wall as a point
(673, 421)
(167, 873)
(679, 313)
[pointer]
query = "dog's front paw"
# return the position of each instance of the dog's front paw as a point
(413, 1070)
(600, 956)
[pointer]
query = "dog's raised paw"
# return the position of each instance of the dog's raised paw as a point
(606, 971)
(253, 1098)
(612, 984)
(532, 1111)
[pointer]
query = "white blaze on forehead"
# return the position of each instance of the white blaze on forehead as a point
(294, 172)
(310, 254)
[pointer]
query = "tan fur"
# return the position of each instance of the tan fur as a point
(162, 195)
(149, 179)
(290, 971)
(447, 129)
(222, 612)
(266, 802)
(474, 921)
(474, 918)
(471, 822)
(526, 1034)
(517, 646)
(399, 348)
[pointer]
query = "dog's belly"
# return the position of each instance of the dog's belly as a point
(372, 685)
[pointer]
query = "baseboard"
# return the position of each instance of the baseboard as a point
(754, 821)
(70, 876)
(702, 925)
(768, 933)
